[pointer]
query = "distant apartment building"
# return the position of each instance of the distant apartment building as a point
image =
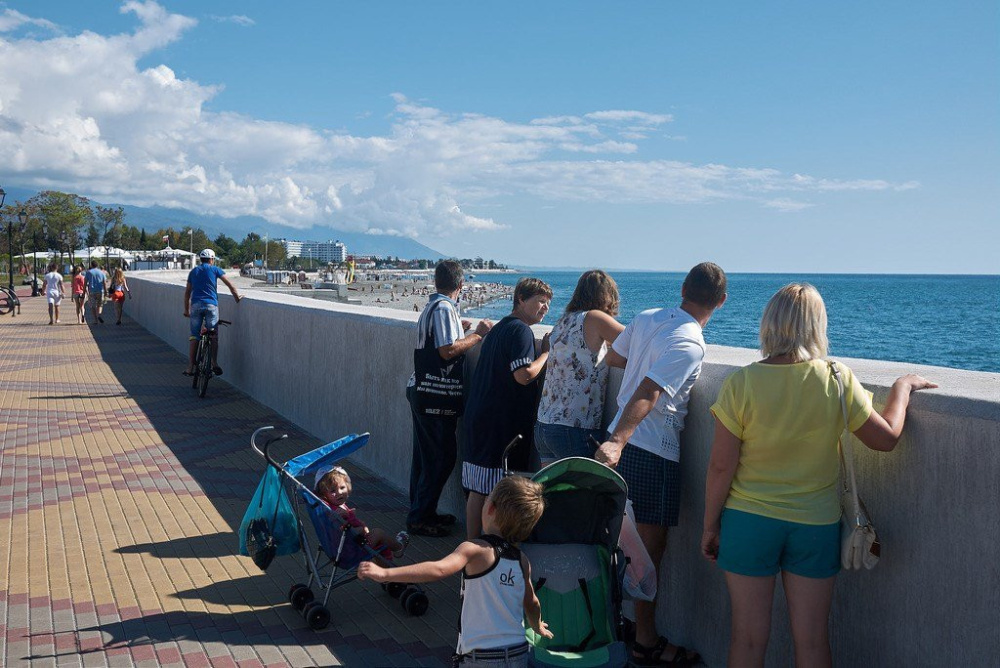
(321, 251)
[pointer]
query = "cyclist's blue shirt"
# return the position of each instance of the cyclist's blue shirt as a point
(203, 280)
(95, 280)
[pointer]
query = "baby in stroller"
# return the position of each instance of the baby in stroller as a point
(334, 487)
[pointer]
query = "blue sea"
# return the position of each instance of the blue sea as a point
(951, 321)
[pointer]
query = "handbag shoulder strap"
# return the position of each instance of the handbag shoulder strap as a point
(846, 452)
(429, 336)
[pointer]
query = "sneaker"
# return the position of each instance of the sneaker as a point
(217, 370)
(100, 320)
(445, 520)
(403, 539)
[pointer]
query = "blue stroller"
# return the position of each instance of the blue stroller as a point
(340, 546)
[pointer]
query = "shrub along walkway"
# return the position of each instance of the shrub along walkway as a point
(120, 496)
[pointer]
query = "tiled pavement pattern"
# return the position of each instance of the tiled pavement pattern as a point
(120, 496)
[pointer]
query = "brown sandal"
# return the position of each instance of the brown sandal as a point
(653, 656)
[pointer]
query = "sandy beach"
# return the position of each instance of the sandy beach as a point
(407, 294)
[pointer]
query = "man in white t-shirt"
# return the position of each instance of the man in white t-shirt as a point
(54, 292)
(435, 443)
(661, 351)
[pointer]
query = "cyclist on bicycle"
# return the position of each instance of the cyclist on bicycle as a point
(201, 303)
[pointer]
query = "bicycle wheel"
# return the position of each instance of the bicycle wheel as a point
(200, 352)
(6, 302)
(206, 370)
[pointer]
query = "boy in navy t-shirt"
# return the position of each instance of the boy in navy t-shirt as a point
(503, 397)
(201, 304)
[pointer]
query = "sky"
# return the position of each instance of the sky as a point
(766, 136)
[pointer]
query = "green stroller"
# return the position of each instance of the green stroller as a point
(578, 567)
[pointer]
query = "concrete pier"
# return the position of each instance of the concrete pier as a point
(934, 599)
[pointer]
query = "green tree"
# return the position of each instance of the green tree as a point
(110, 219)
(143, 241)
(93, 236)
(225, 246)
(129, 238)
(65, 218)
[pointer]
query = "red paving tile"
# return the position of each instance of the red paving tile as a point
(134, 488)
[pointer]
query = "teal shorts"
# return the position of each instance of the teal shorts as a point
(760, 546)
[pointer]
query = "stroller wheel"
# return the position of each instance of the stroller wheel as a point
(316, 615)
(416, 603)
(410, 589)
(299, 596)
(395, 589)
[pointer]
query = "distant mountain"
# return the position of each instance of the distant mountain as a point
(153, 218)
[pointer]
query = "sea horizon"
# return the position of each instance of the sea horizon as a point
(894, 317)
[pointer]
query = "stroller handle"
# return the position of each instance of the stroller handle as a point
(267, 444)
(506, 452)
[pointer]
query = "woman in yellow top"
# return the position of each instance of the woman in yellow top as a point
(772, 499)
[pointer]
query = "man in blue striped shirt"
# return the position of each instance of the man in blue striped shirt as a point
(435, 444)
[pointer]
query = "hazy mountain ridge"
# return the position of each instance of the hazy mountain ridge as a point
(153, 218)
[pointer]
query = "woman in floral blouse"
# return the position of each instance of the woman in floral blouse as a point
(576, 376)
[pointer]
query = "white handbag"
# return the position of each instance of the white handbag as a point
(859, 544)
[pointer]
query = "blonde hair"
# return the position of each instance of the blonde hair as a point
(336, 474)
(794, 323)
(519, 505)
(118, 277)
(595, 290)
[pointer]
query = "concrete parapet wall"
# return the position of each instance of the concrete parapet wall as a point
(934, 599)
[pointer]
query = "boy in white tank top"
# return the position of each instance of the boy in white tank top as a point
(496, 578)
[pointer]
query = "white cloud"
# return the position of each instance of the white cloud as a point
(786, 205)
(623, 116)
(78, 113)
(11, 19)
(238, 19)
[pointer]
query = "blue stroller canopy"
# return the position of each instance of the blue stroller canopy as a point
(314, 460)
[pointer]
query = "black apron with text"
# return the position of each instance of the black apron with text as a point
(438, 390)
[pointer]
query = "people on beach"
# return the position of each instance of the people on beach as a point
(772, 496)
(576, 376)
(119, 288)
(201, 305)
(661, 351)
(498, 594)
(54, 292)
(97, 284)
(435, 444)
(79, 292)
(334, 487)
(502, 396)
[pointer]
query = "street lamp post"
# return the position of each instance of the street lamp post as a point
(265, 252)
(22, 216)
(10, 240)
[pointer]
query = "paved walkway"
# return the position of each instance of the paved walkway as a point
(120, 496)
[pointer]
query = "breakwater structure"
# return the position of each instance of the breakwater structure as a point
(934, 599)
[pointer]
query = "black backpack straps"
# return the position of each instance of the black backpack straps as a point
(429, 337)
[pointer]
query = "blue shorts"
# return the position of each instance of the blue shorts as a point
(557, 441)
(760, 546)
(202, 311)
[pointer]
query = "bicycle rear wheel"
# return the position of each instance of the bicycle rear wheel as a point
(206, 369)
(199, 353)
(6, 302)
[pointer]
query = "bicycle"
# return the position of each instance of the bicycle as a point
(8, 302)
(203, 359)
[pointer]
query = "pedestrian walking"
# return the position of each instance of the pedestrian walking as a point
(79, 292)
(54, 292)
(119, 288)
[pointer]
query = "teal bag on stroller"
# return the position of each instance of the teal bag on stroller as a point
(270, 527)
